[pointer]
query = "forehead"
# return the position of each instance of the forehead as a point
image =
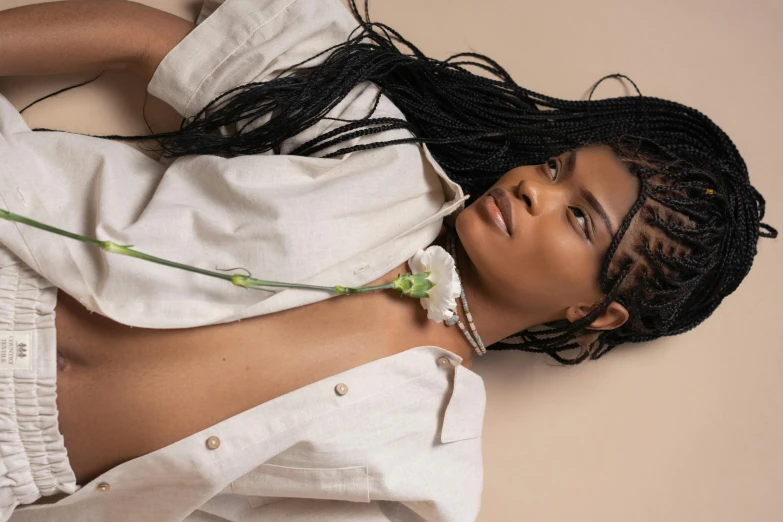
(599, 170)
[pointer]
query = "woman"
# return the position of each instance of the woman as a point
(632, 219)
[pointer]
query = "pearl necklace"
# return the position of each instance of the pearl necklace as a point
(471, 335)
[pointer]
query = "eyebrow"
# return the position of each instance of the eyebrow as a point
(589, 197)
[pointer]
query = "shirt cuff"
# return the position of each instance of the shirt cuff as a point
(242, 41)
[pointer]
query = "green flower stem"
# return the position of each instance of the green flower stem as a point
(237, 279)
(10, 216)
(348, 290)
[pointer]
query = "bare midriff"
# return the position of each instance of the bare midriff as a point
(125, 392)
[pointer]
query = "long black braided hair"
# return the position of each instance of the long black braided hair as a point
(690, 237)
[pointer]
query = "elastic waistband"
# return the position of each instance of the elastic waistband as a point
(33, 459)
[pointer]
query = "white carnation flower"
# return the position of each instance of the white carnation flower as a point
(442, 300)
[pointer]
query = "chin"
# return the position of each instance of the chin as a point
(480, 240)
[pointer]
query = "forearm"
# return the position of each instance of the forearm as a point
(83, 35)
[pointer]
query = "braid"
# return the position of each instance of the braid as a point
(696, 220)
(698, 228)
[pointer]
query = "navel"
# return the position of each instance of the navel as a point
(62, 362)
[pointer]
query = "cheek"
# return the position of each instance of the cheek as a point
(544, 267)
(558, 270)
(564, 262)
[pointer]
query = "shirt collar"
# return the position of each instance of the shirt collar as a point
(464, 417)
(452, 191)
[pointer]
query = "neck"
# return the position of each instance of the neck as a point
(492, 321)
(451, 337)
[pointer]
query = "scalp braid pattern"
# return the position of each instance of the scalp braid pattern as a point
(687, 242)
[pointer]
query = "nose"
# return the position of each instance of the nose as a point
(530, 192)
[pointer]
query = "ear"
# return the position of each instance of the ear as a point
(613, 317)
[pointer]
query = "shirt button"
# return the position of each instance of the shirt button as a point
(103, 487)
(341, 389)
(444, 361)
(213, 443)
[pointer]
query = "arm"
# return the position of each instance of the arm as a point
(82, 35)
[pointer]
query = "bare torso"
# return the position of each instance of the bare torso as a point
(128, 391)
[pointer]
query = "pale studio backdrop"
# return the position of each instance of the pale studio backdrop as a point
(686, 429)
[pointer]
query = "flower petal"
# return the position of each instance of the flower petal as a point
(442, 300)
(416, 264)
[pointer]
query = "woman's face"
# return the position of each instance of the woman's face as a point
(562, 215)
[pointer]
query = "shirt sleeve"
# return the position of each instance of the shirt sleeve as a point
(241, 41)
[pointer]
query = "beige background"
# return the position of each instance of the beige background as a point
(682, 429)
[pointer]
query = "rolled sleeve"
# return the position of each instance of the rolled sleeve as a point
(241, 41)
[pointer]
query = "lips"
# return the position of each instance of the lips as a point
(504, 204)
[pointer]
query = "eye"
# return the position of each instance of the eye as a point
(554, 168)
(581, 220)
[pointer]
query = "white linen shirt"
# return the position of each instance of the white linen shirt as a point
(397, 439)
